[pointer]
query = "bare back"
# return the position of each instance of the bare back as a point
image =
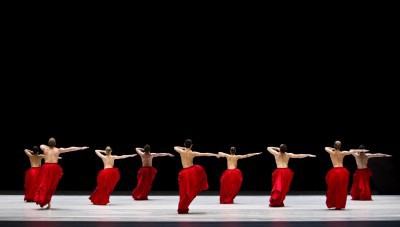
(147, 159)
(361, 160)
(187, 156)
(108, 161)
(51, 154)
(282, 160)
(36, 160)
(232, 161)
(337, 158)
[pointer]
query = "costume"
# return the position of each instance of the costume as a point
(192, 180)
(231, 180)
(49, 176)
(360, 189)
(337, 180)
(31, 182)
(106, 181)
(281, 179)
(145, 177)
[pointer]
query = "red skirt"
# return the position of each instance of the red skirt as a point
(49, 176)
(145, 177)
(281, 179)
(360, 189)
(231, 181)
(192, 180)
(106, 181)
(31, 183)
(337, 180)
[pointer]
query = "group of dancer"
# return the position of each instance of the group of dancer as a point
(41, 180)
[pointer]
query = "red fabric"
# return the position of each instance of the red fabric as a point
(337, 180)
(49, 176)
(231, 180)
(31, 183)
(192, 180)
(360, 189)
(145, 177)
(106, 181)
(281, 179)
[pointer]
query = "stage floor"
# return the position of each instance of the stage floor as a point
(253, 210)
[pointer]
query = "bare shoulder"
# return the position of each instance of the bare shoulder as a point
(44, 147)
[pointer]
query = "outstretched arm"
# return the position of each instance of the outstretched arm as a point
(198, 154)
(162, 154)
(377, 155)
(273, 150)
(248, 155)
(70, 149)
(300, 155)
(28, 152)
(125, 156)
(354, 151)
(222, 154)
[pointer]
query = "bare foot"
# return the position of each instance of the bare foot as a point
(48, 206)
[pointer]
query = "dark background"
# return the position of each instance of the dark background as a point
(248, 86)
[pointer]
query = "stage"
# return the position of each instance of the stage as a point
(73, 210)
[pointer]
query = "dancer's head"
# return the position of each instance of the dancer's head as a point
(146, 149)
(337, 145)
(282, 148)
(363, 148)
(232, 150)
(188, 143)
(35, 150)
(108, 150)
(52, 142)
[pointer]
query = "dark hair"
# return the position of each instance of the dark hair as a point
(282, 148)
(146, 148)
(35, 150)
(188, 143)
(52, 142)
(337, 145)
(361, 147)
(232, 150)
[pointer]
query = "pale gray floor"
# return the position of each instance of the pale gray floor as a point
(204, 208)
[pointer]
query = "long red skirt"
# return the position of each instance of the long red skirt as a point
(231, 181)
(106, 181)
(281, 179)
(360, 189)
(192, 180)
(31, 183)
(145, 177)
(49, 176)
(337, 180)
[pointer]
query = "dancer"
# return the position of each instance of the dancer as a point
(337, 178)
(232, 178)
(107, 178)
(192, 178)
(360, 189)
(50, 172)
(282, 176)
(146, 173)
(32, 174)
